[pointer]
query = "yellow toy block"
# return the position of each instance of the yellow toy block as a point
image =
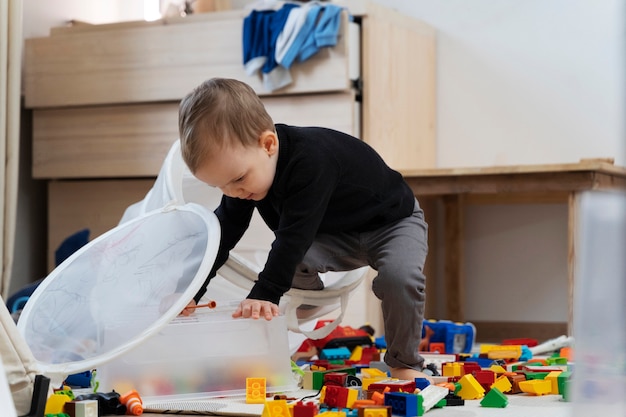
(498, 369)
(365, 382)
(357, 353)
(470, 388)
(371, 411)
(256, 390)
(276, 408)
(501, 351)
(536, 386)
(502, 383)
(55, 403)
(373, 372)
(553, 378)
(452, 369)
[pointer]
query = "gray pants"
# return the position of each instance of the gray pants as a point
(397, 252)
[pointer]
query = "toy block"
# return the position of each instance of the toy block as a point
(485, 377)
(431, 395)
(421, 383)
(505, 352)
(374, 373)
(454, 400)
(308, 409)
(515, 380)
(470, 388)
(536, 375)
(567, 353)
(318, 376)
(369, 354)
(357, 354)
(335, 378)
(403, 403)
(495, 399)
(374, 411)
(437, 347)
(521, 341)
(566, 389)
(85, 408)
(276, 408)
(377, 397)
(452, 369)
(562, 379)
(394, 385)
(470, 367)
(498, 369)
(502, 383)
(536, 386)
(557, 360)
(338, 397)
(553, 378)
(256, 390)
(55, 403)
(335, 353)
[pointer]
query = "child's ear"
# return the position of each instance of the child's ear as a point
(269, 142)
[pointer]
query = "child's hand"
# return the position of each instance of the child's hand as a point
(250, 308)
(189, 309)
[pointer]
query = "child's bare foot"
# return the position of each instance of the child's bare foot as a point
(408, 374)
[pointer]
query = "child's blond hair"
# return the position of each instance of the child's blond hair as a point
(219, 112)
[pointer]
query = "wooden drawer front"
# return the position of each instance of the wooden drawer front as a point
(159, 62)
(132, 140)
(95, 205)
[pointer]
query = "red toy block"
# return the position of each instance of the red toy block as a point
(335, 378)
(308, 409)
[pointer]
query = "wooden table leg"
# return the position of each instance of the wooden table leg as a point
(453, 256)
(572, 223)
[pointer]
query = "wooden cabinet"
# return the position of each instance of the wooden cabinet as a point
(105, 99)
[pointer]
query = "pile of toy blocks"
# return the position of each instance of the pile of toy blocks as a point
(352, 381)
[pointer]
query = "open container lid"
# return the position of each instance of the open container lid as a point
(130, 281)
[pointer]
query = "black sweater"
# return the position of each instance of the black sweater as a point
(326, 181)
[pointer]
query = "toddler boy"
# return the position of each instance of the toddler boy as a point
(331, 201)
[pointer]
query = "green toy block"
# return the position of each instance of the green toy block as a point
(562, 379)
(494, 399)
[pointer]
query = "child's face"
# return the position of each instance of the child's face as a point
(245, 172)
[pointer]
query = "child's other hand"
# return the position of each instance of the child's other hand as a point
(250, 308)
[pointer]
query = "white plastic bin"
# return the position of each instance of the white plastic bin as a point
(206, 354)
(600, 306)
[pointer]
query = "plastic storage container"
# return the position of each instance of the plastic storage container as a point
(206, 354)
(600, 306)
(114, 306)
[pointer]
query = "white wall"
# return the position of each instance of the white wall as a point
(527, 81)
(40, 16)
(524, 82)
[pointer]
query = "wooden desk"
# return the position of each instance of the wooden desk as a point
(523, 184)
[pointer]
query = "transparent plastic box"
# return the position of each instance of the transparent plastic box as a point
(207, 354)
(600, 305)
